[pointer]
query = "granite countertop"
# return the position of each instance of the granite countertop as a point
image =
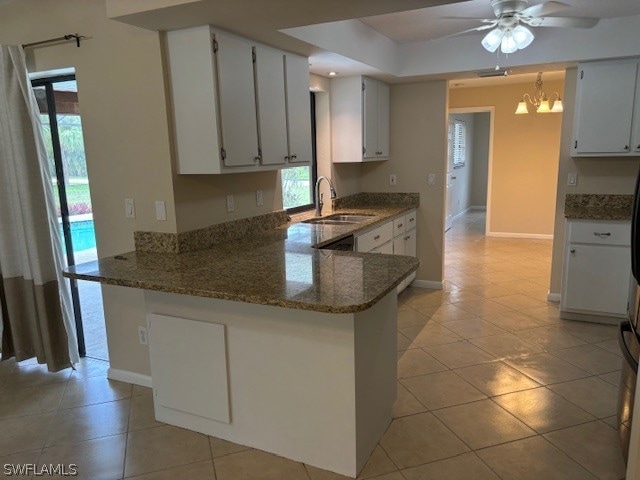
(598, 206)
(279, 266)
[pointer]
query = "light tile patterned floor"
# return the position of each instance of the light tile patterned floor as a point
(492, 385)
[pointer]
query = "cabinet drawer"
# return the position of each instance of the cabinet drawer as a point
(601, 233)
(386, 248)
(375, 238)
(410, 220)
(399, 225)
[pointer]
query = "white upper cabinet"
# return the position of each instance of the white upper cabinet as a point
(272, 115)
(236, 100)
(359, 119)
(231, 98)
(298, 108)
(607, 115)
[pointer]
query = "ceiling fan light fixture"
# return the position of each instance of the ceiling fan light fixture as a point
(492, 40)
(522, 36)
(508, 44)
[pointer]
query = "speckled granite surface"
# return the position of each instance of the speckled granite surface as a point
(598, 206)
(204, 238)
(364, 199)
(278, 267)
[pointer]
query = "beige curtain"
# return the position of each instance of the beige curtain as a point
(37, 319)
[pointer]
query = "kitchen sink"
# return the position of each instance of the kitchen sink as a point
(340, 219)
(329, 221)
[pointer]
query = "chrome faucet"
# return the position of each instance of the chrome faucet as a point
(318, 195)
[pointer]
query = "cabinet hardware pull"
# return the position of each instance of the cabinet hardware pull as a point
(257, 158)
(411, 219)
(376, 237)
(638, 147)
(626, 147)
(602, 234)
(287, 158)
(407, 237)
(573, 250)
(294, 156)
(399, 225)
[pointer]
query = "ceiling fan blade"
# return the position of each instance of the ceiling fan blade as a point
(471, 30)
(483, 20)
(567, 22)
(543, 9)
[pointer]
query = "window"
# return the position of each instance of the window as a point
(298, 182)
(457, 143)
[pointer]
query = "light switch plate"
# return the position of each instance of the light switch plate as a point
(393, 179)
(259, 198)
(161, 211)
(572, 179)
(129, 208)
(230, 206)
(431, 179)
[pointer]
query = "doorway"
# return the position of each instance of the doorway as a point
(57, 99)
(470, 145)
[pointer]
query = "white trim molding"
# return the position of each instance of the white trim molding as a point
(129, 377)
(536, 236)
(553, 297)
(430, 284)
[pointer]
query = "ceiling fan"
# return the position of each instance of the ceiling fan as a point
(509, 28)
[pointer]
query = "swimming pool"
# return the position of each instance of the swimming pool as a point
(83, 235)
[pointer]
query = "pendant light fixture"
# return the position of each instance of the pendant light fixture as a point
(539, 102)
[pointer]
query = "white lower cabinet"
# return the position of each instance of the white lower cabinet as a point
(597, 271)
(395, 237)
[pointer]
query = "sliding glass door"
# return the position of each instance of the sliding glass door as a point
(62, 127)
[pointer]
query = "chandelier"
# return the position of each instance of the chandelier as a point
(539, 102)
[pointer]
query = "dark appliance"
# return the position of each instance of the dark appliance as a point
(628, 336)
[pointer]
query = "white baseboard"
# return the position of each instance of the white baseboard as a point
(553, 297)
(460, 215)
(129, 377)
(478, 208)
(427, 284)
(535, 236)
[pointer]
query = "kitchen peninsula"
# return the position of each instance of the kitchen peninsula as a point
(259, 336)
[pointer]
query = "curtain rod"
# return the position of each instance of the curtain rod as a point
(66, 38)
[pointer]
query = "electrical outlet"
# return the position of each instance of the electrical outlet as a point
(392, 179)
(431, 179)
(259, 198)
(161, 211)
(129, 208)
(142, 336)
(230, 206)
(572, 179)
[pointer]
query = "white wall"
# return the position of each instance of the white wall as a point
(480, 166)
(418, 144)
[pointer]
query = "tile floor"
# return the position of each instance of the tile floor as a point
(492, 385)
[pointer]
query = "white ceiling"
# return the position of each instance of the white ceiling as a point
(429, 23)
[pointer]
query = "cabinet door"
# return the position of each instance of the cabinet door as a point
(410, 245)
(383, 120)
(270, 100)
(597, 279)
(298, 108)
(236, 100)
(399, 245)
(635, 137)
(370, 117)
(387, 249)
(604, 107)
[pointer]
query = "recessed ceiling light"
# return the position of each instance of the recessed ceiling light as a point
(333, 74)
